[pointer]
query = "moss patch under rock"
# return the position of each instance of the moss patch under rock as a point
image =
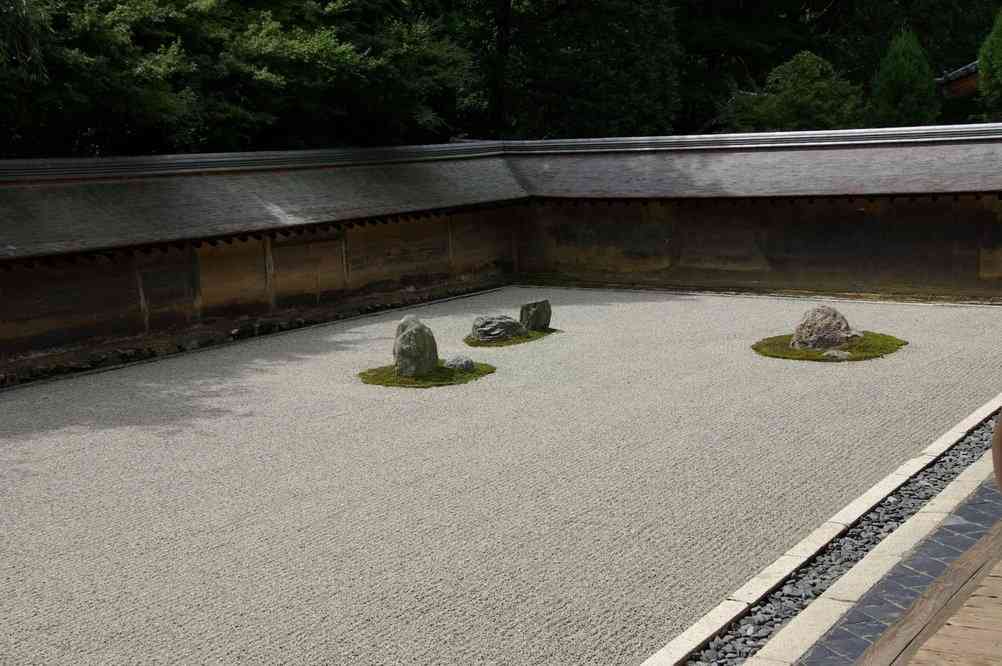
(441, 376)
(533, 335)
(871, 345)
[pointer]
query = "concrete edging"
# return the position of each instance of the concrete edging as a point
(799, 634)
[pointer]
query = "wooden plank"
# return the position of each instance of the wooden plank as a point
(982, 602)
(931, 658)
(964, 641)
(934, 608)
(978, 618)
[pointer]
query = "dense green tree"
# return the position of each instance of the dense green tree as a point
(855, 33)
(804, 93)
(904, 89)
(175, 75)
(729, 45)
(592, 68)
(990, 72)
(101, 77)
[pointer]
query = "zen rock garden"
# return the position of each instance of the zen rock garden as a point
(824, 334)
(503, 331)
(416, 363)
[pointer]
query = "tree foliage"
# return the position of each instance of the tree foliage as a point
(179, 75)
(103, 77)
(990, 72)
(904, 89)
(804, 93)
(592, 68)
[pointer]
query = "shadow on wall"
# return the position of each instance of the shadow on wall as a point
(175, 393)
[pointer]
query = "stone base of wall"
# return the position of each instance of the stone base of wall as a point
(105, 352)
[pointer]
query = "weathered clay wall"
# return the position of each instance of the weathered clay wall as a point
(949, 247)
(47, 305)
(72, 299)
(946, 245)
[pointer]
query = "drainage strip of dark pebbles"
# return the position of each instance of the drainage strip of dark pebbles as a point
(744, 638)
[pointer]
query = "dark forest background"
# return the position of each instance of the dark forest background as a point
(113, 77)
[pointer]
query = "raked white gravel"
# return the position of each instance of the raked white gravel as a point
(585, 504)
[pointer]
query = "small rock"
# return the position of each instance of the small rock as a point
(461, 363)
(247, 330)
(494, 328)
(536, 316)
(838, 353)
(415, 352)
(822, 328)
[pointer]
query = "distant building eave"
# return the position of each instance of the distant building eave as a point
(960, 73)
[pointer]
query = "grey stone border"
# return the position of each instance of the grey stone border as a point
(799, 635)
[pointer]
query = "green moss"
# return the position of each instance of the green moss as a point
(533, 335)
(441, 376)
(871, 345)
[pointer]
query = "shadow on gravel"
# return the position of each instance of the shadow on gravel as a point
(175, 392)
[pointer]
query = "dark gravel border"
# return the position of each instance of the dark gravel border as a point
(744, 638)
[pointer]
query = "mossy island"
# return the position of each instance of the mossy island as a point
(416, 363)
(824, 335)
(442, 375)
(528, 336)
(503, 331)
(869, 345)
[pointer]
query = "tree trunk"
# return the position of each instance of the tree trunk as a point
(502, 46)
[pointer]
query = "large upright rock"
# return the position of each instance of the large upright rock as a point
(414, 350)
(822, 328)
(536, 316)
(494, 328)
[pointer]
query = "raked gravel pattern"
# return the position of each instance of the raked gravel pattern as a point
(599, 493)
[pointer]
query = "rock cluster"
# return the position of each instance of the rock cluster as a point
(536, 316)
(494, 328)
(414, 350)
(822, 328)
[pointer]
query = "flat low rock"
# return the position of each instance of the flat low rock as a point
(461, 363)
(494, 328)
(822, 327)
(536, 316)
(415, 352)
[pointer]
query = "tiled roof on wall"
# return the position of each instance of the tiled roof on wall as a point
(58, 206)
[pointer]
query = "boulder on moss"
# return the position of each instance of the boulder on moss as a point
(822, 327)
(415, 352)
(536, 316)
(495, 328)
